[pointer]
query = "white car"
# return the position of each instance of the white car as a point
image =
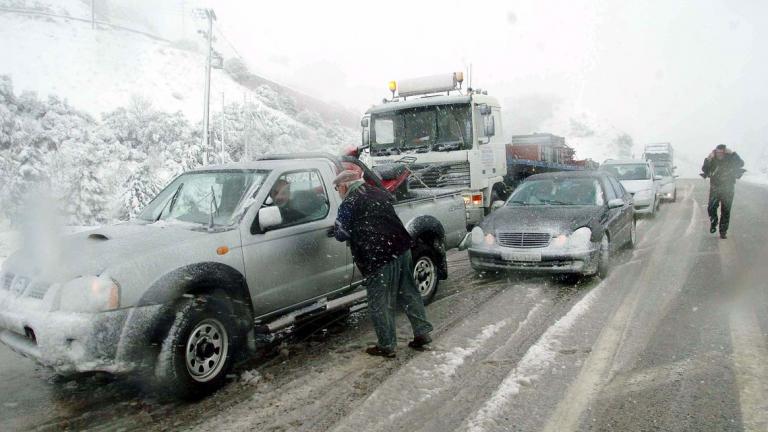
(667, 184)
(639, 179)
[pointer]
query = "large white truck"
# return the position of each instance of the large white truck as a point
(450, 138)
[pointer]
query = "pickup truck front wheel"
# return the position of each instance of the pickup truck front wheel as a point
(199, 349)
(425, 273)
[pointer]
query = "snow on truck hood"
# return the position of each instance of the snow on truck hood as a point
(90, 253)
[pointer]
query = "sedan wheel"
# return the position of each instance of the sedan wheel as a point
(604, 262)
(633, 234)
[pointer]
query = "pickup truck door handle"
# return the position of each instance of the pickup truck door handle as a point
(331, 232)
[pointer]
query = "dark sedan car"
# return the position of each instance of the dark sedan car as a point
(564, 222)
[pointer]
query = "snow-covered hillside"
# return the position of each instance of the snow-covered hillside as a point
(100, 70)
(103, 118)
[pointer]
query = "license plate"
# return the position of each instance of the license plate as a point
(521, 256)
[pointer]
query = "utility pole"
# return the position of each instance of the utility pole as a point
(209, 15)
(223, 127)
(93, 15)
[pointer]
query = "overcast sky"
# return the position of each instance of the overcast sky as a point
(692, 73)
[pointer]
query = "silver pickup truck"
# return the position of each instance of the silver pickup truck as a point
(212, 261)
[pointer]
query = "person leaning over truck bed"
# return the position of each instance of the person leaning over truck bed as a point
(381, 248)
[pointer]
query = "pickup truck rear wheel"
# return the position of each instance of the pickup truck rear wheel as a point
(425, 272)
(199, 349)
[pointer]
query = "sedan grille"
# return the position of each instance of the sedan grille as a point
(6, 282)
(524, 239)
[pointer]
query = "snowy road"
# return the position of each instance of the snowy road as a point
(674, 339)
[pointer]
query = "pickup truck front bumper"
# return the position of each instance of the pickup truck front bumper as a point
(68, 342)
(545, 260)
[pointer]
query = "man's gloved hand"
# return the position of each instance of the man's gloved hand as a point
(703, 175)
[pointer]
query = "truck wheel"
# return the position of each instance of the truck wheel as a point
(425, 272)
(199, 349)
(674, 195)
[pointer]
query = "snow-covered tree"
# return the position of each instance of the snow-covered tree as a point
(87, 201)
(139, 189)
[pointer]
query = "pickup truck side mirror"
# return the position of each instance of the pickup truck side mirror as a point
(269, 217)
(497, 205)
(615, 203)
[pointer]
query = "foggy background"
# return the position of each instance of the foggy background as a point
(691, 73)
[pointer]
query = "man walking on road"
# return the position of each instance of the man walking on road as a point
(723, 166)
(381, 248)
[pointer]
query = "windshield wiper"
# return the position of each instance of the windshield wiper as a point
(215, 206)
(172, 202)
(522, 203)
(556, 202)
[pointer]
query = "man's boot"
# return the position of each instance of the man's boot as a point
(713, 226)
(723, 235)
(419, 342)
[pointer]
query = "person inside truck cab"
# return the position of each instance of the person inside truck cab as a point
(281, 197)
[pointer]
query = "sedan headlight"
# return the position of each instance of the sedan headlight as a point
(90, 294)
(480, 238)
(644, 194)
(578, 240)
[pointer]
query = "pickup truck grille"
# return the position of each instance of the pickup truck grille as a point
(6, 282)
(523, 239)
(440, 175)
(37, 290)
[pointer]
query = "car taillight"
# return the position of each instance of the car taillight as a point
(477, 199)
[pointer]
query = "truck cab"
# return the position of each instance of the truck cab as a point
(450, 139)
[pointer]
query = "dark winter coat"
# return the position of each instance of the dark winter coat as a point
(368, 220)
(723, 172)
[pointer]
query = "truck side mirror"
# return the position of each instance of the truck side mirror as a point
(366, 138)
(269, 217)
(364, 122)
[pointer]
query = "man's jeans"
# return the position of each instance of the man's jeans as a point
(388, 287)
(720, 196)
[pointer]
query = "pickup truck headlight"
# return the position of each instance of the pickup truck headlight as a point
(644, 194)
(90, 294)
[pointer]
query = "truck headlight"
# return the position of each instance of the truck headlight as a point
(89, 294)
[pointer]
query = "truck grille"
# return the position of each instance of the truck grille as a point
(37, 290)
(523, 239)
(440, 175)
(6, 282)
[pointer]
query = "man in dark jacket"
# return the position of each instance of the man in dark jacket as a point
(723, 166)
(381, 248)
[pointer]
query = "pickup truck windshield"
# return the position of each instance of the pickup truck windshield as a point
(192, 197)
(423, 129)
(628, 171)
(575, 191)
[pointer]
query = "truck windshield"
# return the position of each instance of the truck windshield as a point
(423, 129)
(628, 171)
(192, 197)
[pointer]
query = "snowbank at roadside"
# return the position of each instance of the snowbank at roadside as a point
(756, 178)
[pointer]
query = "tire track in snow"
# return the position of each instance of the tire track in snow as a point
(536, 361)
(434, 374)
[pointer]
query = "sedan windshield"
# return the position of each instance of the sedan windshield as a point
(193, 197)
(628, 171)
(573, 191)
